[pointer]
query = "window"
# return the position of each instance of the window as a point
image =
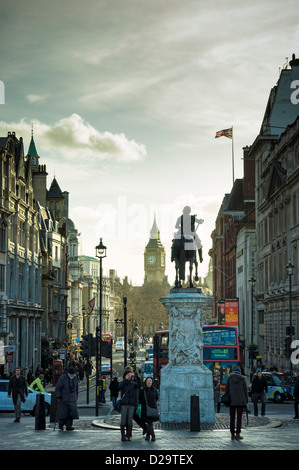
(2, 277)
(2, 236)
(22, 233)
(21, 281)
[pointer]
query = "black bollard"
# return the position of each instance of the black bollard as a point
(194, 413)
(40, 415)
(53, 407)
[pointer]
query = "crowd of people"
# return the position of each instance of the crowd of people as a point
(236, 396)
(137, 397)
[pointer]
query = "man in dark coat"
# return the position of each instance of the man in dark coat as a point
(236, 388)
(18, 388)
(259, 390)
(67, 395)
(113, 387)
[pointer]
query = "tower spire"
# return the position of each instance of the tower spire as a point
(155, 232)
(32, 152)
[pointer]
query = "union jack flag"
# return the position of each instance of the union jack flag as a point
(225, 132)
(91, 304)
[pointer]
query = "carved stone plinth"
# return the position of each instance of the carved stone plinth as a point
(185, 374)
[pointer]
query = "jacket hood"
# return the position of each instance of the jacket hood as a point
(236, 378)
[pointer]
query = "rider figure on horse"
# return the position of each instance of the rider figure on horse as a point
(186, 227)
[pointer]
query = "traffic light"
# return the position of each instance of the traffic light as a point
(288, 330)
(93, 346)
(84, 346)
(88, 346)
(287, 346)
(106, 349)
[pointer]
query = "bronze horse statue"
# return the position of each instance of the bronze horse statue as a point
(184, 250)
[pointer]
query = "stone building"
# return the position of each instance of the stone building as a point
(276, 153)
(91, 296)
(21, 309)
(53, 252)
(236, 213)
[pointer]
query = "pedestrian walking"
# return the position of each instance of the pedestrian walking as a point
(217, 392)
(128, 388)
(104, 381)
(67, 393)
(148, 395)
(37, 385)
(17, 387)
(236, 389)
(113, 387)
(296, 396)
(259, 390)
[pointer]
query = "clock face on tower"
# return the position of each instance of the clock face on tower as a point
(151, 259)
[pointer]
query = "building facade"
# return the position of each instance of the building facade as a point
(21, 309)
(53, 252)
(276, 152)
(257, 247)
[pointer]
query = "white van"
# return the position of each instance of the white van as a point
(120, 344)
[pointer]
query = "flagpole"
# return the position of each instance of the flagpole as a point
(228, 133)
(233, 165)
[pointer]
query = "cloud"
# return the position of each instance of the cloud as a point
(74, 138)
(36, 98)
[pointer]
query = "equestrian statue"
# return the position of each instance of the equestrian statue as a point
(185, 246)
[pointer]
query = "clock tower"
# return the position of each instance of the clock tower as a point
(154, 257)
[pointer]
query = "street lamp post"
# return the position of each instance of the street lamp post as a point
(252, 281)
(290, 272)
(101, 252)
(125, 331)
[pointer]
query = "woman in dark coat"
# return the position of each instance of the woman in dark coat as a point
(128, 389)
(236, 388)
(148, 393)
(67, 393)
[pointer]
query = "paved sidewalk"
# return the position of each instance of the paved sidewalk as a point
(103, 434)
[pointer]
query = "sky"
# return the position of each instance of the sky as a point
(125, 98)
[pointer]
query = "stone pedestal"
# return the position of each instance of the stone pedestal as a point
(185, 374)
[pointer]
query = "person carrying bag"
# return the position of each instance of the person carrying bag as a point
(148, 397)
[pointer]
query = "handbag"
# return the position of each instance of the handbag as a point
(119, 402)
(151, 412)
(225, 399)
(117, 406)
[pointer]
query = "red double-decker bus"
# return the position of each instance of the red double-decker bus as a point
(221, 350)
(161, 355)
(106, 337)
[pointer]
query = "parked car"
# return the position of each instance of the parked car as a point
(6, 404)
(278, 391)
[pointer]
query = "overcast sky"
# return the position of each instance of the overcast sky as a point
(126, 97)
